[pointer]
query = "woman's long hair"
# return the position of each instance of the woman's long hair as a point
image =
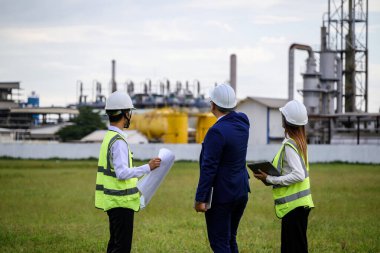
(297, 133)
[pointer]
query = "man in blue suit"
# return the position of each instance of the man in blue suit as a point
(223, 169)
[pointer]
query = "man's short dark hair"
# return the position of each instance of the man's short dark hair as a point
(115, 115)
(224, 110)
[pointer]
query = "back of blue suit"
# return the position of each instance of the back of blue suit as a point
(223, 160)
(223, 166)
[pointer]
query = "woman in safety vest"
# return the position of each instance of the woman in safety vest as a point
(291, 190)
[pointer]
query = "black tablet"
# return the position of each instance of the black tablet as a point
(265, 167)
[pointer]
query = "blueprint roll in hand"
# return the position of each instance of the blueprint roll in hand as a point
(149, 184)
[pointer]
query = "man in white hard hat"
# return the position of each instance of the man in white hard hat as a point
(223, 172)
(116, 181)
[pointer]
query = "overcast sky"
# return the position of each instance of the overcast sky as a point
(49, 45)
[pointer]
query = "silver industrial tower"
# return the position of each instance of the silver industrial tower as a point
(347, 35)
(336, 96)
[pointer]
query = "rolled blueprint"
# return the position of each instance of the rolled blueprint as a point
(149, 184)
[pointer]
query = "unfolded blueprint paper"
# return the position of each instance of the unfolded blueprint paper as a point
(149, 184)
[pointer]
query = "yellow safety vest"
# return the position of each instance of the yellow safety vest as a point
(287, 198)
(112, 192)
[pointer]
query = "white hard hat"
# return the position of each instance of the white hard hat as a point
(223, 96)
(119, 100)
(295, 113)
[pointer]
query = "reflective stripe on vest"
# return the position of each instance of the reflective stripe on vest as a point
(287, 198)
(116, 192)
(110, 192)
(106, 172)
(292, 197)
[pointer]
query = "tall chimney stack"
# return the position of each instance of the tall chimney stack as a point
(233, 71)
(349, 75)
(113, 81)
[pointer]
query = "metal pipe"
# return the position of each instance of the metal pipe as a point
(366, 60)
(330, 133)
(291, 66)
(80, 91)
(324, 44)
(149, 86)
(162, 88)
(358, 130)
(179, 87)
(328, 20)
(168, 86)
(145, 88)
(94, 84)
(339, 69)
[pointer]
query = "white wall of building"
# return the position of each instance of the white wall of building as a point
(318, 153)
(275, 124)
(6, 137)
(257, 115)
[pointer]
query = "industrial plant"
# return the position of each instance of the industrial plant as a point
(335, 93)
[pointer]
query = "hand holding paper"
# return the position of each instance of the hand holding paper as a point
(154, 163)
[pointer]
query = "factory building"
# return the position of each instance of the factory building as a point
(27, 120)
(334, 91)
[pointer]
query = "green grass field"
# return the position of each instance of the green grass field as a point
(48, 206)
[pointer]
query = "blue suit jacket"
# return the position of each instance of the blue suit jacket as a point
(223, 160)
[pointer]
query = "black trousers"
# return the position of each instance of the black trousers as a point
(293, 231)
(121, 230)
(222, 224)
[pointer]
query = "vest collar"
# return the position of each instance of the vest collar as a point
(116, 129)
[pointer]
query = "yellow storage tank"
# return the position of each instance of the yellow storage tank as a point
(205, 121)
(136, 121)
(166, 124)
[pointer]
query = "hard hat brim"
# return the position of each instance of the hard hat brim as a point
(221, 106)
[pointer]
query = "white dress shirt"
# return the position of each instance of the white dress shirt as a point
(120, 159)
(293, 171)
(221, 117)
